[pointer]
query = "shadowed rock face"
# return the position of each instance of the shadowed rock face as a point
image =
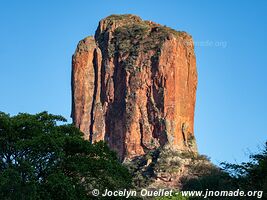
(134, 86)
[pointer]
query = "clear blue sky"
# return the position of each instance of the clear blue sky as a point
(38, 39)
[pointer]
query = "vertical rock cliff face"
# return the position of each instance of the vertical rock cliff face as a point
(134, 86)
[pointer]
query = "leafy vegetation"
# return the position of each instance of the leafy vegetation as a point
(250, 175)
(202, 175)
(42, 160)
(247, 176)
(173, 197)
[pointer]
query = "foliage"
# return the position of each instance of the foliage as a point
(215, 180)
(177, 196)
(252, 175)
(248, 176)
(42, 160)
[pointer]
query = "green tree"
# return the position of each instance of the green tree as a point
(40, 159)
(252, 175)
(247, 176)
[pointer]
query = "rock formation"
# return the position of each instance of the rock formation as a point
(134, 86)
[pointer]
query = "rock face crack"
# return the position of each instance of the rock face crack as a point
(134, 86)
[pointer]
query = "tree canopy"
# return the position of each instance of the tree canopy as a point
(40, 159)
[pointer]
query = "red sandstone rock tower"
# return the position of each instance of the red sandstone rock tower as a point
(134, 86)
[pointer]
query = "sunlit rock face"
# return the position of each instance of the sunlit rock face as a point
(134, 86)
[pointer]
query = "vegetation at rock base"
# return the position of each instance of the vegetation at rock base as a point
(250, 175)
(42, 160)
(201, 175)
(247, 176)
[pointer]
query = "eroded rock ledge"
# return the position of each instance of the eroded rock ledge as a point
(134, 86)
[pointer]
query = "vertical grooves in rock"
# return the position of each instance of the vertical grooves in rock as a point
(72, 115)
(95, 65)
(142, 90)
